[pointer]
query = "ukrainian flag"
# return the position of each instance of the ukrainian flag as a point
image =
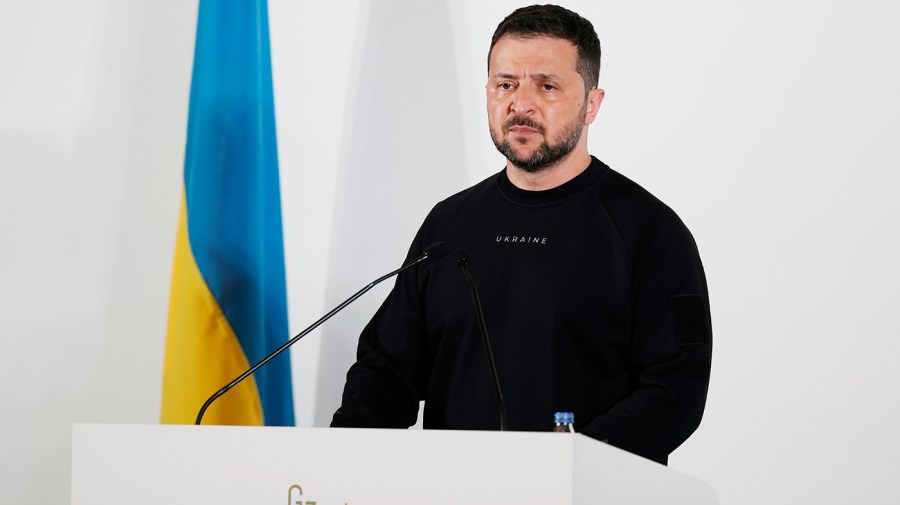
(228, 305)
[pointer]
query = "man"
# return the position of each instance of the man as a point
(593, 292)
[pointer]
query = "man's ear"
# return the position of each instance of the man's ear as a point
(594, 99)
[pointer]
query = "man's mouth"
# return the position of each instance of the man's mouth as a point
(522, 130)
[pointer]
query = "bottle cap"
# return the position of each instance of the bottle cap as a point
(564, 418)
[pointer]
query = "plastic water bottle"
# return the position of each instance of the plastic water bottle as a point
(563, 422)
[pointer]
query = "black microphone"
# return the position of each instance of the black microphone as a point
(463, 264)
(432, 252)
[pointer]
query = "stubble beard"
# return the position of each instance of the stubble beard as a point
(546, 155)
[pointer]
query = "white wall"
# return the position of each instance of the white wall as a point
(93, 101)
(768, 126)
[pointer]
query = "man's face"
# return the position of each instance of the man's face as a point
(536, 101)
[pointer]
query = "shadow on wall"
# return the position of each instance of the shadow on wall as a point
(403, 152)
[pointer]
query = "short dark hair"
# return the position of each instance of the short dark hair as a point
(557, 22)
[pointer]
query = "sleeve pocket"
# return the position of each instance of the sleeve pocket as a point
(691, 320)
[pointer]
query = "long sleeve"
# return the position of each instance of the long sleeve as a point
(384, 386)
(669, 359)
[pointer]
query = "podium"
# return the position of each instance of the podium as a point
(223, 465)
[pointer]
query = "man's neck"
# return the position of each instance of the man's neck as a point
(551, 177)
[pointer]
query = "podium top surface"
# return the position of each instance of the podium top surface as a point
(227, 464)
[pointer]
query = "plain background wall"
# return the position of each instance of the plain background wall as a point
(770, 127)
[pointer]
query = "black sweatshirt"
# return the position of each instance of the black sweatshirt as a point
(595, 302)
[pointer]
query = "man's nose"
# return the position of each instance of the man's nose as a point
(523, 101)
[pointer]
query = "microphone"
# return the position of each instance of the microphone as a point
(463, 264)
(432, 252)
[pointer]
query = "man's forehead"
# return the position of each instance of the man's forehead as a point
(549, 53)
(534, 40)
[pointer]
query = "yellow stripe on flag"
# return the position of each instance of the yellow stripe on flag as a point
(202, 352)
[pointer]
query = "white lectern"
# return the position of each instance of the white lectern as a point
(193, 465)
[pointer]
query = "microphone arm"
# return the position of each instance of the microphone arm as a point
(463, 264)
(434, 251)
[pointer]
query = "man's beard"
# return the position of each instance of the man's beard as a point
(546, 155)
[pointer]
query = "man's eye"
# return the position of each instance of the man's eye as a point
(506, 85)
(548, 87)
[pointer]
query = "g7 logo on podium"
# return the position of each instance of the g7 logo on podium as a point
(295, 497)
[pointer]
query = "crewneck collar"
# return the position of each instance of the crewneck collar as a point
(580, 182)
